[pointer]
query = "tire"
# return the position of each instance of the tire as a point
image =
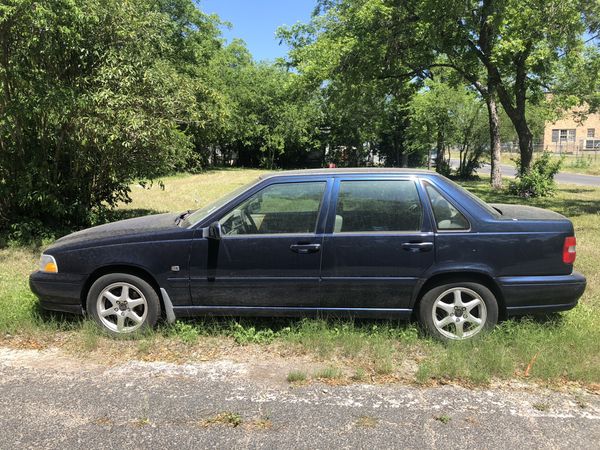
(453, 314)
(123, 304)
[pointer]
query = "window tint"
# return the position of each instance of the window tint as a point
(278, 208)
(447, 217)
(378, 205)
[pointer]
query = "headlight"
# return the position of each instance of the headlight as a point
(48, 264)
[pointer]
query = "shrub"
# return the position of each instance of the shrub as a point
(250, 335)
(539, 180)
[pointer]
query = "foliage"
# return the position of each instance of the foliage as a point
(296, 376)
(250, 335)
(449, 118)
(539, 181)
(186, 332)
(509, 49)
(99, 94)
(92, 100)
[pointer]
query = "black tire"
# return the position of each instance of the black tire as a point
(138, 290)
(467, 288)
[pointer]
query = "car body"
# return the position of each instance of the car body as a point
(367, 242)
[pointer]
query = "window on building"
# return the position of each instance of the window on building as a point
(592, 144)
(567, 135)
(591, 132)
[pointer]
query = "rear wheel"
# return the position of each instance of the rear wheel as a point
(122, 303)
(458, 311)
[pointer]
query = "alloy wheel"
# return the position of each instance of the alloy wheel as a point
(122, 307)
(459, 313)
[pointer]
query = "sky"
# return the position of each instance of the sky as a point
(255, 21)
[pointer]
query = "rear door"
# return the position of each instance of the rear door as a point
(378, 243)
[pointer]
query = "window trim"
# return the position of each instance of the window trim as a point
(349, 178)
(218, 215)
(449, 200)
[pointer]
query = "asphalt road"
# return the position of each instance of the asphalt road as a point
(50, 401)
(562, 177)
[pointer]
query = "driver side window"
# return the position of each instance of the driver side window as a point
(447, 217)
(278, 208)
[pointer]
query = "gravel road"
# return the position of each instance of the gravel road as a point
(50, 400)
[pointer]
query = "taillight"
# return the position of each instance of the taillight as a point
(569, 250)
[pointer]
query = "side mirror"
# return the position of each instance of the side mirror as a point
(214, 231)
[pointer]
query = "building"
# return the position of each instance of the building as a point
(571, 135)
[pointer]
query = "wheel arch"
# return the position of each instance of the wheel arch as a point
(457, 276)
(120, 268)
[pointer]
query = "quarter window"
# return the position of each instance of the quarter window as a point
(378, 206)
(447, 217)
(278, 208)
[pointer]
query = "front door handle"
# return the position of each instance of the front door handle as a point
(417, 246)
(305, 248)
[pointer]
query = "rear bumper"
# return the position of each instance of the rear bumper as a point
(538, 294)
(57, 292)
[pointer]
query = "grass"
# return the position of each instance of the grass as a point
(227, 418)
(444, 418)
(329, 373)
(367, 422)
(563, 349)
(296, 376)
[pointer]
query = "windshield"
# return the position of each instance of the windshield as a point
(201, 213)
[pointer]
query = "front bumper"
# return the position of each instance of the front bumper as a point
(539, 294)
(58, 292)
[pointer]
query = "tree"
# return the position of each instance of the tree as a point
(518, 43)
(507, 49)
(449, 118)
(94, 96)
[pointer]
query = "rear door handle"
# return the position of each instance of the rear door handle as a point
(417, 246)
(305, 248)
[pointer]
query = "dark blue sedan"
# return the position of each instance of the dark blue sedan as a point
(384, 243)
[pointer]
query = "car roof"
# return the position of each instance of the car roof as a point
(349, 171)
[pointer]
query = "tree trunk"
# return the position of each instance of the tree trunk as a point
(439, 158)
(494, 121)
(404, 159)
(525, 144)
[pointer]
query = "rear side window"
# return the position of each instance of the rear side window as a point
(378, 206)
(278, 208)
(447, 217)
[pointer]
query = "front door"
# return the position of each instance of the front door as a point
(270, 253)
(377, 245)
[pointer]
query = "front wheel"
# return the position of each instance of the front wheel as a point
(122, 303)
(458, 311)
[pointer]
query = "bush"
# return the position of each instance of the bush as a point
(539, 180)
(582, 162)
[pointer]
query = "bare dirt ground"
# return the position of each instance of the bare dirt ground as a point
(53, 400)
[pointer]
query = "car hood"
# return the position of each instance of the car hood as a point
(521, 212)
(129, 227)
